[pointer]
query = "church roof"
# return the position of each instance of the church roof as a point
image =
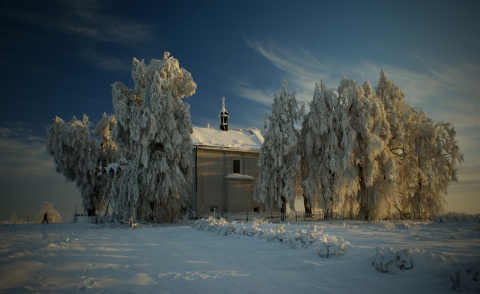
(246, 140)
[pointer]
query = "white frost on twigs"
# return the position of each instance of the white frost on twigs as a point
(325, 245)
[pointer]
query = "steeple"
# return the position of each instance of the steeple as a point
(223, 117)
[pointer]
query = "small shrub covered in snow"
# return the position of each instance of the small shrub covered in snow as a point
(332, 246)
(466, 277)
(325, 245)
(386, 260)
(399, 225)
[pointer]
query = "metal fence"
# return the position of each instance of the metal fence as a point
(82, 219)
(301, 216)
(292, 216)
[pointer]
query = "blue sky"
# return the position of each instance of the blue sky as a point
(59, 58)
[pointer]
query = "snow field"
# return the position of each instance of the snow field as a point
(214, 256)
(465, 277)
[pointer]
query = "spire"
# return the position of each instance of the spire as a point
(223, 117)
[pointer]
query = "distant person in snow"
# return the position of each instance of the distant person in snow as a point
(45, 217)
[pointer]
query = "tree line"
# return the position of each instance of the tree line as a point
(362, 151)
(357, 149)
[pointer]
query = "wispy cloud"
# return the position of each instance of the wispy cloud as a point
(89, 19)
(106, 62)
(93, 21)
(89, 23)
(22, 152)
(446, 92)
(303, 69)
(441, 89)
(248, 91)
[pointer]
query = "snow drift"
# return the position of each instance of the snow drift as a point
(324, 244)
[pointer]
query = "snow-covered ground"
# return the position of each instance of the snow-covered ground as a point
(212, 256)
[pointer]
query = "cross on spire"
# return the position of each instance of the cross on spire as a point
(223, 117)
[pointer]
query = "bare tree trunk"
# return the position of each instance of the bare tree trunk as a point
(307, 206)
(284, 209)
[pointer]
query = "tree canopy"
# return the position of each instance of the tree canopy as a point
(148, 135)
(367, 153)
(280, 159)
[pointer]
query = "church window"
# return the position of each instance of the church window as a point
(236, 167)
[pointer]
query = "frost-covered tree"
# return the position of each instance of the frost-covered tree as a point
(400, 116)
(426, 153)
(375, 163)
(373, 152)
(109, 148)
(53, 215)
(438, 163)
(427, 166)
(330, 176)
(153, 132)
(15, 220)
(319, 140)
(279, 160)
(346, 182)
(109, 153)
(328, 140)
(149, 137)
(75, 154)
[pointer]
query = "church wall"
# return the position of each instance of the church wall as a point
(238, 196)
(212, 191)
(210, 170)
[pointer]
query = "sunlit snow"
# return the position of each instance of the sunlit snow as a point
(214, 256)
(250, 139)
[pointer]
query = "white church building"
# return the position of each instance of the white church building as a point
(225, 171)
